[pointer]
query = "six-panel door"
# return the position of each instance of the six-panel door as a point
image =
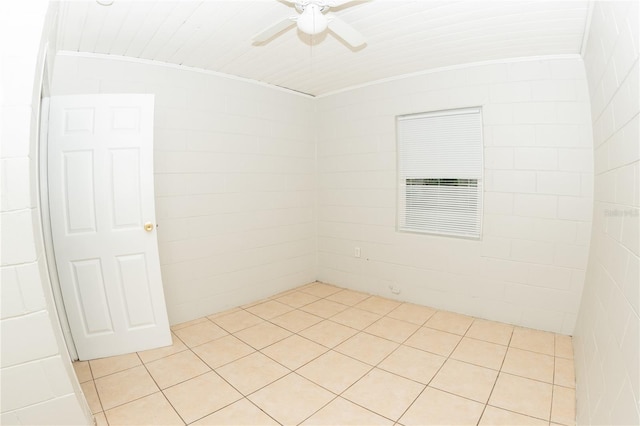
(101, 196)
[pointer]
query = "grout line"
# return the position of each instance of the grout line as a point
(437, 372)
(159, 388)
(517, 412)
(392, 352)
(327, 350)
(117, 372)
(498, 375)
(212, 370)
(321, 407)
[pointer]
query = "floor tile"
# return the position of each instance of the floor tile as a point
(449, 322)
(499, 417)
(490, 331)
(296, 321)
(217, 315)
(125, 386)
(188, 323)
(348, 297)
(100, 419)
(465, 380)
(324, 308)
(480, 353)
(294, 351)
(269, 309)
(356, 318)
(176, 368)
(83, 371)
(378, 305)
(392, 329)
(533, 340)
(251, 304)
(384, 354)
(435, 341)
(252, 372)
(529, 364)
(262, 335)
(201, 396)
(434, 407)
(319, 289)
(283, 293)
(414, 314)
(105, 366)
(153, 354)
(240, 413)
(565, 373)
(222, 351)
(413, 364)
(367, 348)
(563, 346)
(334, 371)
(563, 406)
(343, 412)
(297, 299)
(237, 321)
(328, 333)
(384, 393)
(291, 399)
(150, 410)
(524, 396)
(91, 395)
(200, 333)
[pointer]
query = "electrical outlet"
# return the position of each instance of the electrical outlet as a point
(356, 252)
(394, 289)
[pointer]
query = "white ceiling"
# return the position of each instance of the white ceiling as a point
(403, 36)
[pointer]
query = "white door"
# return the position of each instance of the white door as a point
(103, 222)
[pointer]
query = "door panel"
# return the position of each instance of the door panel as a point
(79, 192)
(101, 195)
(89, 287)
(125, 188)
(135, 287)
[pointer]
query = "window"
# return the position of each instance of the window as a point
(440, 172)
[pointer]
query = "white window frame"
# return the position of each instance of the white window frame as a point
(414, 165)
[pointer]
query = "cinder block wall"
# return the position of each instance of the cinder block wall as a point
(607, 335)
(529, 267)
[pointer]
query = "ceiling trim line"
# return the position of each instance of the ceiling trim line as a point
(182, 67)
(451, 68)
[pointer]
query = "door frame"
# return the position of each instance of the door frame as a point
(45, 217)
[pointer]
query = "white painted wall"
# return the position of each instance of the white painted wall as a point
(235, 188)
(235, 180)
(37, 380)
(607, 336)
(529, 267)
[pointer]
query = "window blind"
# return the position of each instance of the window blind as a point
(440, 172)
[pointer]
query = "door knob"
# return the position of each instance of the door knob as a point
(148, 226)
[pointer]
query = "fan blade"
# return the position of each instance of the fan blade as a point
(346, 32)
(336, 3)
(273, 30)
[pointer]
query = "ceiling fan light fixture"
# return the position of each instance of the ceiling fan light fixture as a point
(312, 21)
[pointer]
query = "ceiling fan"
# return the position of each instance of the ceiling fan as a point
(312, 20)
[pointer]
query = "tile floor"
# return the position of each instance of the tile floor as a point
(320, 355)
